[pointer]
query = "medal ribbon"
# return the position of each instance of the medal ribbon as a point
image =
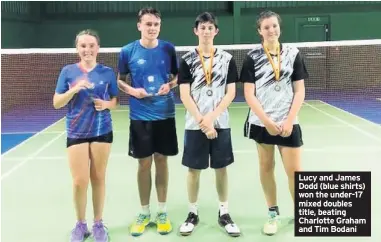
(276, 69)
(208, 74)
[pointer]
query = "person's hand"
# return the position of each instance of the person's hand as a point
(100, 104)
(211, 134)
(81, 85)
(139, 93)
(286, 127)
(207, 122)
(164, 89)
(273, 128)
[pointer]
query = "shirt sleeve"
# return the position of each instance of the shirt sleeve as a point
(185, 76)
(123, 68)
(113, 90)
(174, 62)
(62, 85)
(300, 70)
(232, 72)
(248, 71)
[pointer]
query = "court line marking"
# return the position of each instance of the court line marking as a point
(354, 115)
(35, 135)
(346, 123)
(29, 157)
(333, 149)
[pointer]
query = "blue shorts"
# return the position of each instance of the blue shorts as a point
(201, 152)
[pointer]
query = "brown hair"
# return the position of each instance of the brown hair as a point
(88, 32)
(264, 15)
(148, 10)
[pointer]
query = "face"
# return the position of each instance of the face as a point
(206, 32)
(149, 26)
(87, 47)
(270, 29)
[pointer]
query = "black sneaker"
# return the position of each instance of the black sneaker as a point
(227, 223)
(190, 223)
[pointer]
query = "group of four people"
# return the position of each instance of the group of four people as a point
(273, 75)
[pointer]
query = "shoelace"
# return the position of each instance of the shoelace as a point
(162, 218)
(228, 219)
(99, 230)
(79, 230)
(272, 219)
(140, 219)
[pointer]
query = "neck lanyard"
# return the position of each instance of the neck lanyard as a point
(208, 73)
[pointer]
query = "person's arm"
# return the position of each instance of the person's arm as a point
(63, 94)
(248, 78)
(184, 80)
(298, 76)
(123, 70)
(174, 68)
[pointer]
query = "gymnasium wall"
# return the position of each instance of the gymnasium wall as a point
(54, 24)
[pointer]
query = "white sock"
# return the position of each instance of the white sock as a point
(223, 208)
(145, 210)
(162, 208)
(193, 208)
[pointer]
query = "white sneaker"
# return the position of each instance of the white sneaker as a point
(271, 226)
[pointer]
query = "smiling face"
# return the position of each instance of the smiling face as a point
(87, 47)
(149, 26)
(269, 29)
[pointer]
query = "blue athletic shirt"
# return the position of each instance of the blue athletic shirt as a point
(149, 69)
(82, 120)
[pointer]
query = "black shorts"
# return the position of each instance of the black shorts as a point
(149, 137)
(106, 138)
(261, 136)
(198, 148)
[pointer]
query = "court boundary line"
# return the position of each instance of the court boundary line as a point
(30, 157)
(352, 114)
(347, 123)
(26, 140)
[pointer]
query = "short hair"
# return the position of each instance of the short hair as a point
(206, 17)
(267, 14)
(88, 32)
(148, 10)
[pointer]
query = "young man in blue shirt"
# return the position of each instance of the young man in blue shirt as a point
(151, 64)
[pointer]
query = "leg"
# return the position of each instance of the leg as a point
(141, 148)
(165, 144)
(196, 158)
(99, 154)
(161, 179)
(291, 158)
(266, 173)
(221, 157)
(267, 176)
(79, 167)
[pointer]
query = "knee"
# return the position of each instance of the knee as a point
(80, 181)
(97, 177)
(221, 172)
(267, 165)
(194, 174)
(145, 165)
(291, 172)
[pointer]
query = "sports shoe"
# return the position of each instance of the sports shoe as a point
(227, 223)
(190, 223)
(100, 233)
(163, 223)
(140, 224)
(271, 226)
(80, 232)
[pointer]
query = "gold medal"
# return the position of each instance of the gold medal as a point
(275, 68)
(207, 73)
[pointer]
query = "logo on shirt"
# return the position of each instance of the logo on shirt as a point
(141, 61)
(151, 78)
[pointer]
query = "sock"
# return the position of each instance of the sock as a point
(145, 210)
(193, 208)
(274, 208)
(223, 208)
(162, 208)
